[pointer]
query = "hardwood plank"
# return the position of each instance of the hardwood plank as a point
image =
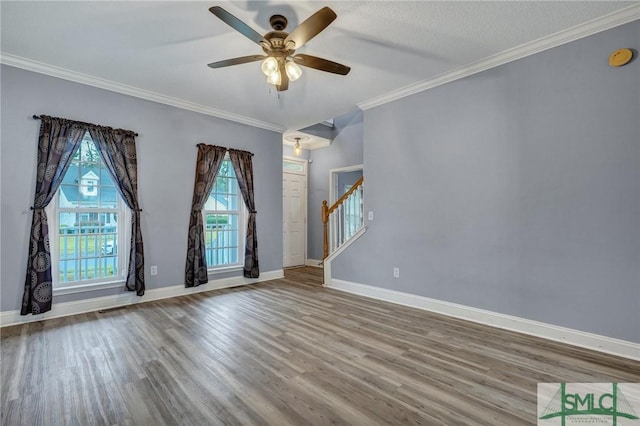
(284, 352)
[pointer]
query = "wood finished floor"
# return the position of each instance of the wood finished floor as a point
(282, 352)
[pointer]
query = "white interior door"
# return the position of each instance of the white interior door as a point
(294, 216)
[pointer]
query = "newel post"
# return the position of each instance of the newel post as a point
(325, 220)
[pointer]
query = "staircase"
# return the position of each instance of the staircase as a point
(343, 220)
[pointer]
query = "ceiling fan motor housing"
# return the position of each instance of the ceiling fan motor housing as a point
(278, 22)
(276, 40)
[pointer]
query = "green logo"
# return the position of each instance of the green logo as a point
(588, 403)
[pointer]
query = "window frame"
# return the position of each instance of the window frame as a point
(242, 226)
(53, 211)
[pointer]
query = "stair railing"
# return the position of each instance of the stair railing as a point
(343, 219)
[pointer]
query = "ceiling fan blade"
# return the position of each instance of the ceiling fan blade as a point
(236, 61)
(311, 27)
(284, 79)
(321, 64)
(237, 24)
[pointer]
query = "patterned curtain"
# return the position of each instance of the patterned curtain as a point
(207, 166)
(58, 141)
(243, 166)
(117, 148)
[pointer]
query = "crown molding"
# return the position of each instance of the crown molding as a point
(606, 22)
(89, 80)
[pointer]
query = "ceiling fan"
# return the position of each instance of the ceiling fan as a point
(280, 63)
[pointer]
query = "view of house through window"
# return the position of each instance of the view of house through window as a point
(224, 219)
(89, 216)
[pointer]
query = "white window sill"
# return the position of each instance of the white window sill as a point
(224, 269)
(82, 288)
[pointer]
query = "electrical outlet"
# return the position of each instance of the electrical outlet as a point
(370, 215)
(154, 270)
(396, 272)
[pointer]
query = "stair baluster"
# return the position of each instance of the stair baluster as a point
(343, 219)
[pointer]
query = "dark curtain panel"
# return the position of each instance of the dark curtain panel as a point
(207, 167)
(58, 141)
(117, 149)
(243, 166)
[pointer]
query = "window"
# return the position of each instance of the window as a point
(224, 220)
(92, 224)
(293, 167)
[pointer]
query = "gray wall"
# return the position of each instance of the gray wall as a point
(345, 150)
(166, 154)
(515, 190)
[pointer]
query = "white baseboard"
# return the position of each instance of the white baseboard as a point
(569, 336)
(129, 298)
(313, 262)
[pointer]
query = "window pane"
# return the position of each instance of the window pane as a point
(221, 185)
(215, 221)
(232, 202)
(89, 152)
(221, 239)
(233, 186)
(233, 221)
(214, 203)
(68, 269)
(233, 238)
(87, 246)
(108, 197)
(68, 196)
(291, 166)
(88, 196)
(88, 236)
(87, 182)
(226, 169)
(222, 218)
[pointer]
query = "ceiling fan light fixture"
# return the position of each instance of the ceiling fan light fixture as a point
(274, 78)
(279, 46)
(270, 66)
(293, 70)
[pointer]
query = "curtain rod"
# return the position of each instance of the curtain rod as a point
(37, 117)
(204, 144)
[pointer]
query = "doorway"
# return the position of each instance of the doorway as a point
(294, 211)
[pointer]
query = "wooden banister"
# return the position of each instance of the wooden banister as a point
(326, 211)
(325, 238)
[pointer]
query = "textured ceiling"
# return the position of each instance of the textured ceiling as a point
(163, 47)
